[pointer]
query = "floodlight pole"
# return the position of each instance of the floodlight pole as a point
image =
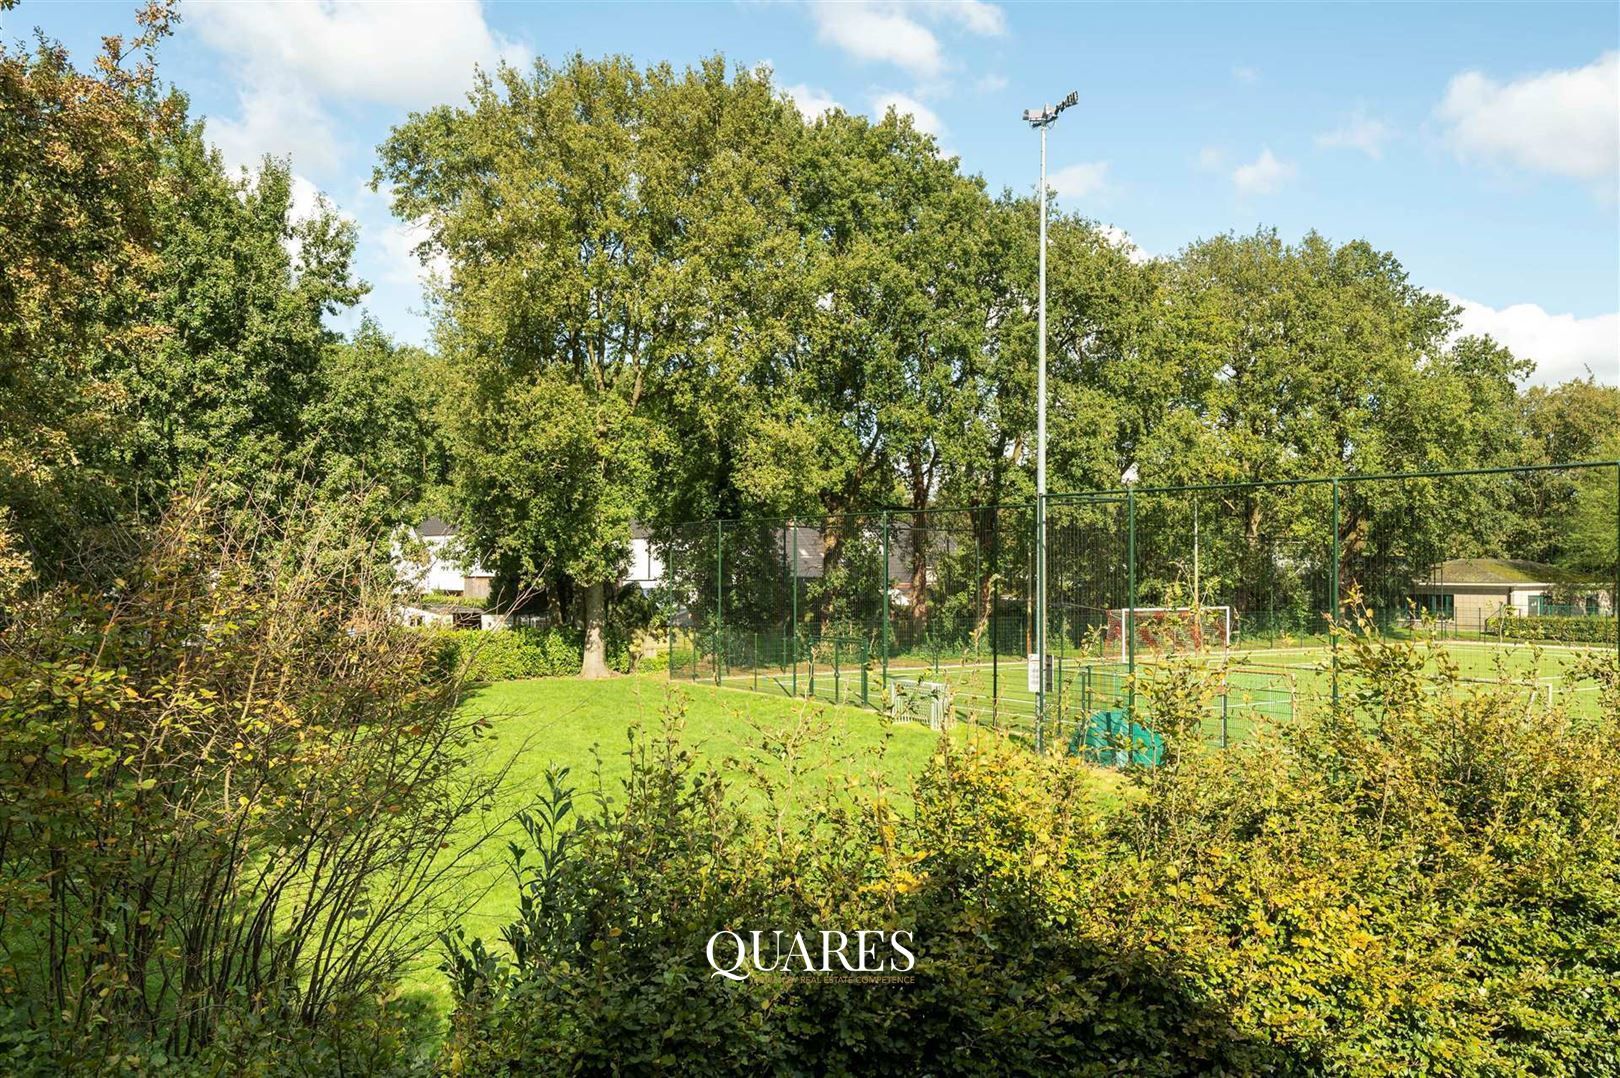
(1042, 118)
(1040, 480)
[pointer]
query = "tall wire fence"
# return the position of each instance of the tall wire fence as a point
(871, 608)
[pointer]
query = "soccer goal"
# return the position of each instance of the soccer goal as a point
(1161, 629)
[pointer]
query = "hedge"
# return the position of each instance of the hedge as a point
(1560, 630)
(509, 654)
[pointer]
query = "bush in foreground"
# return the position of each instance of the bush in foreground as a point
(1425, 880)
(225, 785)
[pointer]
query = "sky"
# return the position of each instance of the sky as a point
(1480, 143)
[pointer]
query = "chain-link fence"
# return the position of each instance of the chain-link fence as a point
(1252, 576)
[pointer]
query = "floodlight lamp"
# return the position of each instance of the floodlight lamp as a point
(1032, 115)
(1072, 100)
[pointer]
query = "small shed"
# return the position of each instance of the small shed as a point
(1470, 590)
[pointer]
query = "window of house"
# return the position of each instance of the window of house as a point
(1436, 606)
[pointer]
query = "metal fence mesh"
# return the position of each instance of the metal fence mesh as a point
(839, 607)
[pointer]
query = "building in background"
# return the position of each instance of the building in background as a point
(1470, 591)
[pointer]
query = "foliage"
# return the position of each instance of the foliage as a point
(1592, 533)
(159, 318)
(508, 654)
(605, 231)
(1553, 629)
(225, 785)
(1422, 882)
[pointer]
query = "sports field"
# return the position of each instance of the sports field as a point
(1254, 684)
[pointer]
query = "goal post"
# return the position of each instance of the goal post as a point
(1163, 629)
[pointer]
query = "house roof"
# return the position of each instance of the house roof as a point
(1499, 571)
(433, 526)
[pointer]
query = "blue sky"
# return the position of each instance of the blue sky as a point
(1479, 142)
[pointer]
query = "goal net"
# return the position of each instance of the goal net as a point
(1163, 629)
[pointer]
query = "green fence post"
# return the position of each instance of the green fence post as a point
(1333, 620)
(719, 596)
(837, 674)
(1130, 610)
(793, 587)
(866, 660)
(995, 610)
(883, 643)
(756, 662)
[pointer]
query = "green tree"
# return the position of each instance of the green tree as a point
(373, 425)
(80, 165)
(159, 319)
(1323, 359)
(241, 292)
(891, 370)
(610, 233)
(1592, 538)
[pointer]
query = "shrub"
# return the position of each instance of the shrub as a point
(508, 654)
(1562, 630)
(225, 785)
(1424, 880)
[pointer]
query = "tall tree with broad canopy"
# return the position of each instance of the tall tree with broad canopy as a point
(902, 260)
(615, 237)
(160, 318)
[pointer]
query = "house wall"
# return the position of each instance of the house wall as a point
(476, 587)
(646, 566)
(1476, 603)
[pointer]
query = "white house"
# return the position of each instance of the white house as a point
(646, 569)
(444, 572)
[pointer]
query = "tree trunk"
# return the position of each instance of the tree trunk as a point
(594, 662)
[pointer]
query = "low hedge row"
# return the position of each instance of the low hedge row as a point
(1560, 630)
(509, 654)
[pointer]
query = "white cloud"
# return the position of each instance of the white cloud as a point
(1563, 122)
(276, 116)
(299, 62)
(1079, 180)
(412, 53)
(810, 101)
(1210, 158)
(1246, 74)
(1562, 345)
(974, 16)
(990, 84)
(923, 117)
(1121, 239)
(1358, 132)
(888, 31)
(393, 242)
(1264, 175)
(872, 32)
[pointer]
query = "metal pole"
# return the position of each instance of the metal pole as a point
(1333, 620)
(1040, 478)
(793, 582)
(884, 644)
(1130, 611)
(995, 607)
(719, 596)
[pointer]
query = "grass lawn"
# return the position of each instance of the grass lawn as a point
(548, 723)
(1268, 680)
